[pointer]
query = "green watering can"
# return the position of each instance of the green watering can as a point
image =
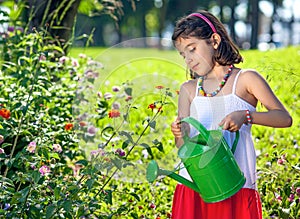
(210, 163)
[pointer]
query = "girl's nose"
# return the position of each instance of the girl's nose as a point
(188, 59)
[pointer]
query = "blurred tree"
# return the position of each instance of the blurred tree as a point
(254, 20)
(55, 15)
(59, 16)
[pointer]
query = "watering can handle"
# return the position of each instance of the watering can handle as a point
(197, 125)
(203, 131)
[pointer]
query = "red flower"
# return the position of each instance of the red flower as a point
(159, 87)
(114, 113)
(152, 106)
(69, 126)
(160, 109)
(128, 98)
(5, 113)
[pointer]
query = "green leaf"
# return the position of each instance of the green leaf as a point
(117, 163)
(20, 196)
(57, 193)
(145, 145)
(128, 91)
(46, 153)
(152, 124)
(107, 132)
(158, 144)
(49, 211)
(16, 106)
(137, 197)
(123, 133)
(125, 144)
(90, 183)
(36, 177)
(4, 145)
(160, 147)
(54, 155)
(134, 215)
(103, 104)
(108, 197)
(148, 148)
(82, 162)
(287, 190)
(67, 205)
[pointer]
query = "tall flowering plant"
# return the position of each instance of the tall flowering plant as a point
(120, 132)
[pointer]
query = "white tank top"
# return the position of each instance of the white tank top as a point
(210, 111)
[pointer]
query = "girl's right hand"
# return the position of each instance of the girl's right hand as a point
(176, 128)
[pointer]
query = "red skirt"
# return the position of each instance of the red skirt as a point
(187, 204)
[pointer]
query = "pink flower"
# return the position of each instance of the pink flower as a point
(57, 148)
(120, 152)
(82, 123)
(291, 198)
(91, 130)
(33, 166)
(98, 151)
(42, 57)
(1, 139)
(31, 147)
(1, 151)
(298, 191)
(82, 56)
(44, 170)
(99, 94)
(63, 59)
(108, 96)
(116, 105)
(75, 63)
(280, 161)
(116, 89)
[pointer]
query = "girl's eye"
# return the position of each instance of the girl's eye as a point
(193, 49)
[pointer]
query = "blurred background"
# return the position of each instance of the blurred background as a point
(252, 24)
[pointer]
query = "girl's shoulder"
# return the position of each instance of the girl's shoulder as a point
(250, 75)
(188, 88)
(189, 84)
(248, 72)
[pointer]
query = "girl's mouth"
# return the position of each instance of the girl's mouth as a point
(195, 67)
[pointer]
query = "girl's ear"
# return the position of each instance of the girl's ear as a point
(216, 40)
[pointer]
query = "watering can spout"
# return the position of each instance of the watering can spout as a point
(153, 171)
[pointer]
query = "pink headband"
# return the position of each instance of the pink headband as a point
(205, 19)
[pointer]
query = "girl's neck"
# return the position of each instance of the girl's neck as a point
(217, 73)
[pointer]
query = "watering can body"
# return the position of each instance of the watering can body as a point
(210, 163)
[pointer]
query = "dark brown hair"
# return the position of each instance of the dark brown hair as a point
(193, 26)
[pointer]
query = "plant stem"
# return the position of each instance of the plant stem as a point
(19, 125)
(134, 144)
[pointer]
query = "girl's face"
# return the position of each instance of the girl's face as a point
(197, 53)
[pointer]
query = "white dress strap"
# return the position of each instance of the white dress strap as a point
(235, 81)
(197, 88)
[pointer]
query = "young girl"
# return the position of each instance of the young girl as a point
(220, 94)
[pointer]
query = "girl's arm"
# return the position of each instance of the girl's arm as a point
(184, 101)
(277, 115)
(253, 88)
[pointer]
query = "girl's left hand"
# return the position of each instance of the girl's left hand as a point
(233, 121)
